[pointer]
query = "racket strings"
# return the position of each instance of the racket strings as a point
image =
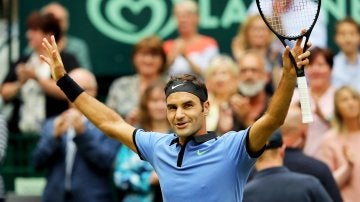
(289, 17)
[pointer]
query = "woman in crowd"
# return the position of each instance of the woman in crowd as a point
(135, 179)
(221, 80)
(340, 146)
(321, 94)
(191, 51)
(28, 85)
(149, 61)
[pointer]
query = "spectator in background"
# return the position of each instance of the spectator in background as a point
(340, 146)
(71, 44)
(3, 145)
(135, 179)
(275, 182)
(321, 97)
(149, 61)
(293, 132)
(190, 52)
(318, 35)
(252, 100)
(77, 156)
(28, 85)
(221, 81)
(254, 34)
(347, 61)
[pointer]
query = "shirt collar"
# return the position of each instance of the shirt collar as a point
(199, 139)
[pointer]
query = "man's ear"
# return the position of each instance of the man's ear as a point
(206, 107)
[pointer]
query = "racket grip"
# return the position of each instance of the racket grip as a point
(307, 116)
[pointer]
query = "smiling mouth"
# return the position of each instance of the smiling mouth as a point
(181, 125)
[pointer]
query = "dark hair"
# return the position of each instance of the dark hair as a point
(144, 114)
(196, 81)
(349, 20)
(327, 53)
(46, 23)
(152, 45)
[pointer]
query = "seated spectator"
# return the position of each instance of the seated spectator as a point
(78, 157)
(274, 182)
(252, 100)
(340, 146)
(149, 61)
(28, 85)
(191, 51)
(254, 34)
(221, 81)
(321, 97)
(347, 61)
(293, 134)
(135, 179)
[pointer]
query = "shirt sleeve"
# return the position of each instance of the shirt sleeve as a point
(236, 142)
(145, 143)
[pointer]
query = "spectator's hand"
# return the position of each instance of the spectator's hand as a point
(226, 121)
(240, 106)
(132, 117)
(21, 73)
(77, 120)
(61, 125)
(180, 47)
(30, 72)
(349, 156)
(52, 57)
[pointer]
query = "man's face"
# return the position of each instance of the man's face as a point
(186, 115)
(252, 75)
(347, 37)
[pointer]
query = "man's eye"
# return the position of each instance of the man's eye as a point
(171, 107)
(188, 105)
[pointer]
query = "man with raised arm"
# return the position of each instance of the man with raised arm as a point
(192, 163)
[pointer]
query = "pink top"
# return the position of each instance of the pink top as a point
(331, 152)
(199, 52)
(317, 128)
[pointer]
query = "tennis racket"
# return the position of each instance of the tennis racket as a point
(286, 19)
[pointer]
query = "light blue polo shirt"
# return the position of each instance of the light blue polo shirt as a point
(211, 168)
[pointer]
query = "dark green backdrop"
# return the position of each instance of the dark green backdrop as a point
(126, 20)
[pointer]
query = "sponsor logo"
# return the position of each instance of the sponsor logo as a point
(200, 153)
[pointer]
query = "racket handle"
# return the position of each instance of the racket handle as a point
(304, 100)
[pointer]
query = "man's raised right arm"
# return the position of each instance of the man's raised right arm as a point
(107, 120)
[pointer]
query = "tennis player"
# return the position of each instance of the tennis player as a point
(192, 164)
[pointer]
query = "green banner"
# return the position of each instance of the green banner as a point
(111, 27)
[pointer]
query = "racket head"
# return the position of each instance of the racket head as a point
(286, 18)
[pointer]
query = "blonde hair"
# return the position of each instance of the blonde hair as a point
(242, 35)
(221, 60)
(338, 121)
(187, 5)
